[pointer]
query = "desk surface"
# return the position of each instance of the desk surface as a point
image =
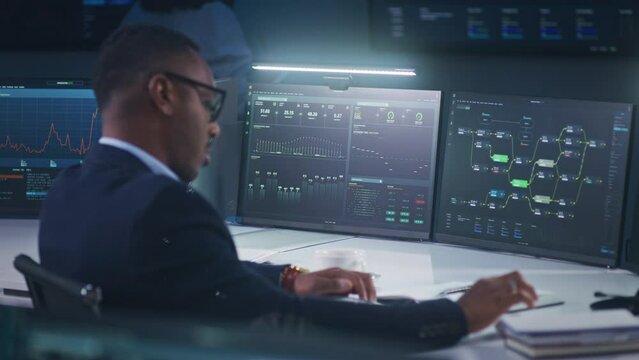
(416, 269)
(281, 240)
(405, 268)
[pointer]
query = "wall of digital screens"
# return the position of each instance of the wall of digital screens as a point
(521, 26)
(59, 25)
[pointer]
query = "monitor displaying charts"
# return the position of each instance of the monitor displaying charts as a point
(358, 161)
(45, 125)
(535, 175)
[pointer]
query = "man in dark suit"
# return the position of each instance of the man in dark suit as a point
(126, 220)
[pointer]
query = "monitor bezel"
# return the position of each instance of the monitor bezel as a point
(631, 216)
(624, 263)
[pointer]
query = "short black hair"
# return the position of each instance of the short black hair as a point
(170, 5)
(135, 51)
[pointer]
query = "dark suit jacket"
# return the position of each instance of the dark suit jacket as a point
(152, 243)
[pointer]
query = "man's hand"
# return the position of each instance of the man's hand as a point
(336, 281)
(490, 298)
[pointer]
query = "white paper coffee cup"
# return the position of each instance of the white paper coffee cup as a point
(347, 259)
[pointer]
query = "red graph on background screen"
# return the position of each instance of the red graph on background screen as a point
(54, 135)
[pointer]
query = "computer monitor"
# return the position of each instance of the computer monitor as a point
(535, 175)
(45, 125)
(355, 161)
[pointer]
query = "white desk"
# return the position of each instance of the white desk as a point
(399, 263)
(403, 267)
(16, 237)
(259, 245)
(239, 229)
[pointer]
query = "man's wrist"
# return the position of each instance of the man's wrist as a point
(288, 276)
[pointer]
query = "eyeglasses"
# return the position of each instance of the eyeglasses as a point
(214, 105)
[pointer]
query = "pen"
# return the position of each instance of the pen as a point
(455, 290)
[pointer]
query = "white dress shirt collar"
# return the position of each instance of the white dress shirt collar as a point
(156, 166)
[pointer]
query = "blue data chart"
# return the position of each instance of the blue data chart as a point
(42, 130)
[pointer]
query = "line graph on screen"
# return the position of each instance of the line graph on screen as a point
(51, 128)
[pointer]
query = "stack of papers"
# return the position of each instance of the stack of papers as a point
(552, 334)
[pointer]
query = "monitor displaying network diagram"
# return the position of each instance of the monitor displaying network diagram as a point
(535, 175)
(359, 161)
(45, 125)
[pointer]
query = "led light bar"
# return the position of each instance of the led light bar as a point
(335, 70)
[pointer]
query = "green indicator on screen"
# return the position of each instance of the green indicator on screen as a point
(547, 163)
(404, 221)
(404, 213)
(519, 183)
(390, 219)
(500, 158)
(419, 222)
(542, 199)
(390, 212)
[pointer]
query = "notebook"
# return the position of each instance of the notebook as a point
(552, 334)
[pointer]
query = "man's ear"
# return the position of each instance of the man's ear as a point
(163, 94)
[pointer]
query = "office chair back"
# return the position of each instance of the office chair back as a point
(56, 295)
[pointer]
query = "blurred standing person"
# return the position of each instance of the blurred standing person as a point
(212, 25)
